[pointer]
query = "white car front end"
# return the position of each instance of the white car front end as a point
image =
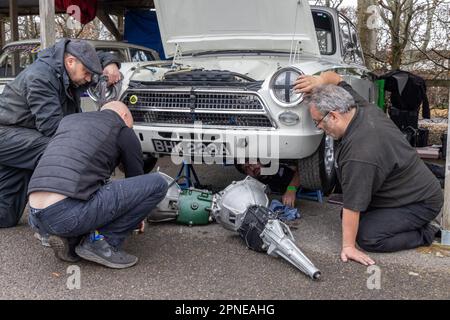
(252, 39)
(228, 92)
(236, 115)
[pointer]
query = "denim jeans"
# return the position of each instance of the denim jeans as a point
(114, 210)
(395, 229)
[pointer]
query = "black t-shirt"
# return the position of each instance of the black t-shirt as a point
(377, 167)
(279, 181)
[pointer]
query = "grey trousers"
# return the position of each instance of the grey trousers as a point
(20, 151)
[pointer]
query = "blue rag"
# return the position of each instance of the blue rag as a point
(285, 213)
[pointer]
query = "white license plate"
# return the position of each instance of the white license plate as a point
(191, 147)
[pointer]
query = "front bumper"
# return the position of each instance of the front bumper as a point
(207, 144)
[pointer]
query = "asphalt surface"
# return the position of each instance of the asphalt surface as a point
(209, 262)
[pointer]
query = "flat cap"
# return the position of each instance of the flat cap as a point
(84, 52)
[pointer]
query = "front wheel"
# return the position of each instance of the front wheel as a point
(317, 171)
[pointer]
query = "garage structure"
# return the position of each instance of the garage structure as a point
(46, 9)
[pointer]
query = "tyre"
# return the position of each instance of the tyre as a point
(240, 167)
(149, 162)
(317, 172)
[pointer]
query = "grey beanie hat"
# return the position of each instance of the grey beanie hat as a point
(84, 52)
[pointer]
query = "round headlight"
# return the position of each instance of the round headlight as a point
(282, 87)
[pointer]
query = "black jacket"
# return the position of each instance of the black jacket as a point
(408, 93)
(83, 153)
(41, 95)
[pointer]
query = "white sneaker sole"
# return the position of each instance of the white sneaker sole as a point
(88, 255)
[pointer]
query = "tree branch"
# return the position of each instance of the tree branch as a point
(430, 58)
(81, 30)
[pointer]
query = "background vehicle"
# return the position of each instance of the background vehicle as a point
(17, 55)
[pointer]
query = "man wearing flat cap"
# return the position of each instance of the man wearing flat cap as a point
(31, 107)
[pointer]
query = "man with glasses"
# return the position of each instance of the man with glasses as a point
(390, 197)
(31, 107)
(317, 123)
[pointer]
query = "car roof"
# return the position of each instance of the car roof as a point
(95, 43)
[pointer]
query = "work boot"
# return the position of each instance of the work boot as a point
(64, 248)
(102, 252)
(438, 220)
(436, 228)
(436, 225)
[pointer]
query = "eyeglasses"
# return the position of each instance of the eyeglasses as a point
(317, 122)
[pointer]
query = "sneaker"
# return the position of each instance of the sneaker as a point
(43, 238)
(64, 248)
(102, 252)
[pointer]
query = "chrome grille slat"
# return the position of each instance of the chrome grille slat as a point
(240, 109)
(207, 119)
(204, 100)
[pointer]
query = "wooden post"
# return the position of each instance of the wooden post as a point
(120, 24)
(2, 31)
(47, 15)
(445, 239)
(13, 16)
(109, 24)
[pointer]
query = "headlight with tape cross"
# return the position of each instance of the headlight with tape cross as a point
(282, 87)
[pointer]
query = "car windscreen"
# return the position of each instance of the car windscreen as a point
(141, 55)
(15, 58)
(120, 53)
(324, 31)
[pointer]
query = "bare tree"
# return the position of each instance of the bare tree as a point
(408, 38)
(327, 3)
(367, 34)
(431, 9)
(92, 30)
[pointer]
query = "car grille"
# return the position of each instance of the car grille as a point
(207, 119)
(240, 109)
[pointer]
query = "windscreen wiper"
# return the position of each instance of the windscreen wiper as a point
(254, 52)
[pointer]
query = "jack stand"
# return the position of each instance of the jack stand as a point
(316, 195)
(188, 169)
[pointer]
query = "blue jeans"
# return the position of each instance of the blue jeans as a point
(114, 210)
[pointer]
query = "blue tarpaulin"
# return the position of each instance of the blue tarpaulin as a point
(141, 28)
